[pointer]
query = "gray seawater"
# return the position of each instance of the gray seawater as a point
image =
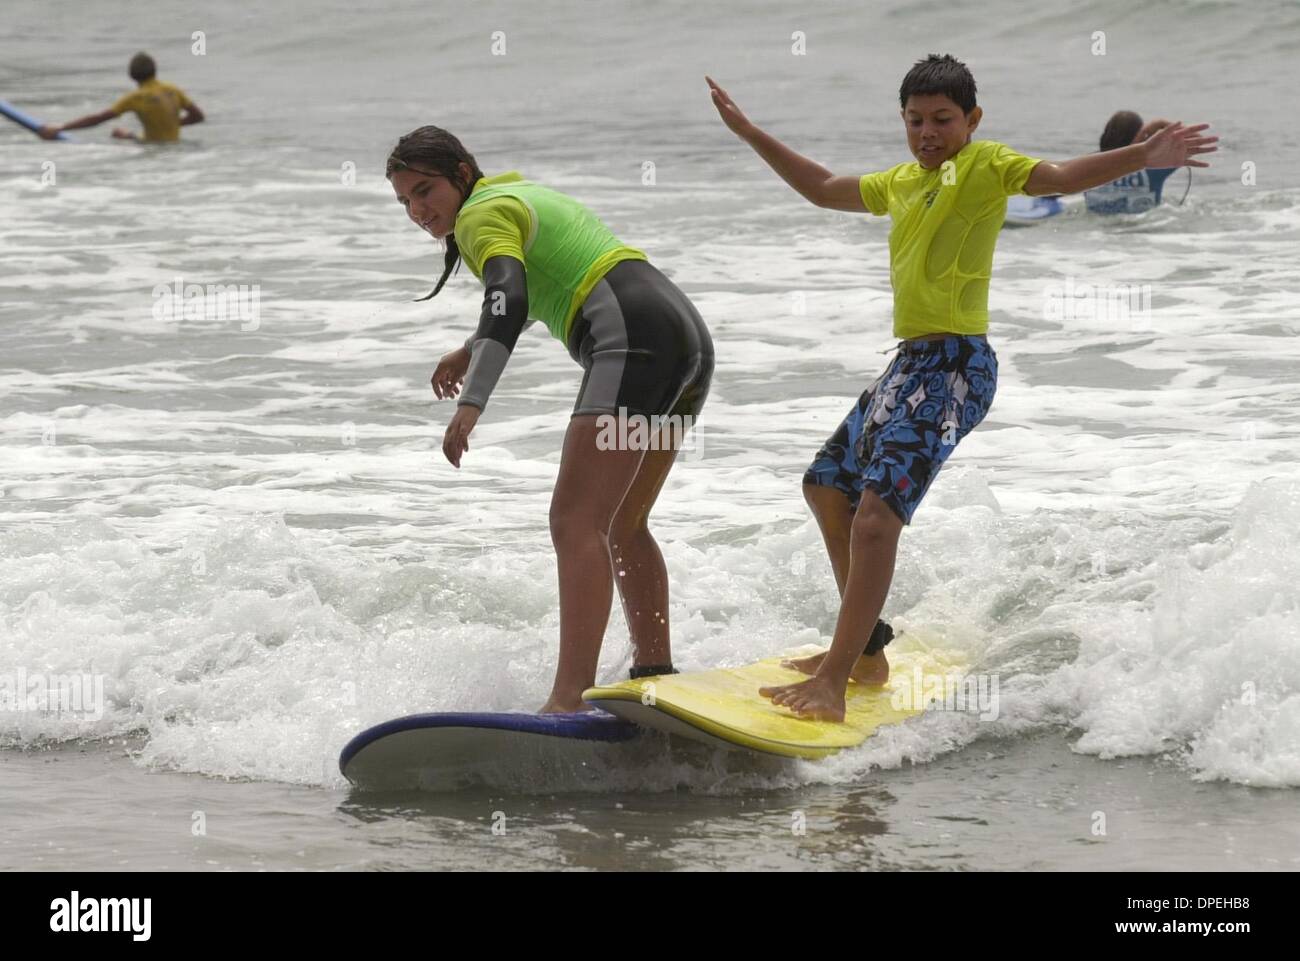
(244, 528)
(973, 811)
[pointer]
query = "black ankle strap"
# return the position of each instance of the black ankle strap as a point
(651, 670)
(881, 635)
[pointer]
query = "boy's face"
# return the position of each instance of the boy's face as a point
(431, 200)
(937, 128)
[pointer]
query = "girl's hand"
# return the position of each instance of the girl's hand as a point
(456, 441)
(449, 375)
(731, 115)
(1176, 145)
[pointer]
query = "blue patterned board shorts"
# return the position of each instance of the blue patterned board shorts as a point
(905, 425)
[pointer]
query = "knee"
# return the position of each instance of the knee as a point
(825, 501)
(627, 529)
(570, 523)
(875, 521)
(810, 496)
(830, 506)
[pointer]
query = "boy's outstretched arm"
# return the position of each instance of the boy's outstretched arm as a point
(52, 130)
(813, 181)
(1173, 146)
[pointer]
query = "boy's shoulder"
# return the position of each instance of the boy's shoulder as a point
(990, 159)
(982, 151)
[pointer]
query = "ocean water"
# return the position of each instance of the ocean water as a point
(240, 526)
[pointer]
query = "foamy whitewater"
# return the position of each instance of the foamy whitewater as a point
(242, 523)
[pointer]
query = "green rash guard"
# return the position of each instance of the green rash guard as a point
(563, 248)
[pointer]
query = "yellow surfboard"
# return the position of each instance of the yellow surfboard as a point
(723, 707)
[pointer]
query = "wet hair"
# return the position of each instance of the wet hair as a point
(1120, 130)
(936, 74)
(432, 150)
(142, 68)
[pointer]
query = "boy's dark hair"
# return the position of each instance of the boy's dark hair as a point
(432, 150)
(142, 68)
(936, 74)
(1120, 130)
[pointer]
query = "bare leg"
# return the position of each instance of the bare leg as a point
(873, 546)
(835, 518)
(588, 491)
(639, 570)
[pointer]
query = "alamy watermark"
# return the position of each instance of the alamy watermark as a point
(968, 693)
(182, 301)
(1117, 305)
(75, 914)
(80, 694)
(630, 431)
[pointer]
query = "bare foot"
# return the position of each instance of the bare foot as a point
(866, 670)
(556, 706)
(816, 698)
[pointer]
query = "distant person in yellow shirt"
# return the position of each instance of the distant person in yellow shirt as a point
(162, 108)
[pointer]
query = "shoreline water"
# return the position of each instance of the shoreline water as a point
(1000, 804)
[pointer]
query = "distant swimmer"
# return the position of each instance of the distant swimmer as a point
(162, 108)
(1141, 190)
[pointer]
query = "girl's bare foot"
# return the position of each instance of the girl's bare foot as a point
(556, 706)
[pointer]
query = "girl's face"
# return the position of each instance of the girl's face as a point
(431, 199)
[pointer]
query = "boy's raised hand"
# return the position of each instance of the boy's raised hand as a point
(731, 115)
(1176, 145)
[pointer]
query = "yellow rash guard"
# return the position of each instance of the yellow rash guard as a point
(945, 224)
(158, 105)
